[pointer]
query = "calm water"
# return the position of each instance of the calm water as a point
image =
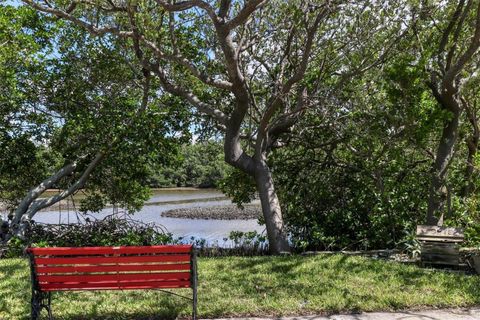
(163, 200)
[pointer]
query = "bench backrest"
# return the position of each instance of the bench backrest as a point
(111, 268)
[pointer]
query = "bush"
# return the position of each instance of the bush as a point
(111, 231)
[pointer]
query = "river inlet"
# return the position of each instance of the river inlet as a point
(214, 231)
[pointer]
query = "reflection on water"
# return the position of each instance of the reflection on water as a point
(163, 200)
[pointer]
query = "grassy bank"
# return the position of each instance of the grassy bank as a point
(236, 286)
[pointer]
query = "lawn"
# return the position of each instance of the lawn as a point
(259, 286)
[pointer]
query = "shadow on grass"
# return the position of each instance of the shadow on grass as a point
(15, 268)
(148, 315)
(270, 264)
(163, 308)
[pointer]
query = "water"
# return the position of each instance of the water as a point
(214, 231)
(184, 195)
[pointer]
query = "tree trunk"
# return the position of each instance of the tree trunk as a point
(472, 145)
(272, 212)
(445, 151)
(472, 151)
(259, 170)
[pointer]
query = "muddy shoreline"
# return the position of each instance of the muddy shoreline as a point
(225, 212)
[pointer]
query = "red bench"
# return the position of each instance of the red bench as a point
(110, 268)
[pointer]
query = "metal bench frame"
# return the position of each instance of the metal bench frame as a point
(42, 299)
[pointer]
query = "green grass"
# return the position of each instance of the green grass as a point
(259, 286)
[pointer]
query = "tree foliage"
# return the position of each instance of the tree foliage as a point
(82, 118)
(198, 165)
(23, 125)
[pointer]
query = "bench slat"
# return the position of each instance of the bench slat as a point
(116, 285)
(120, 277)
(106, 260)
(65, 251)
(112, 268)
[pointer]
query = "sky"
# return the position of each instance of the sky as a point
(14, 3)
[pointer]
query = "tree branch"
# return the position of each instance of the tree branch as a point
(186, 5)
(224, 8)
(189, 96)
(446, 35)
(245, 13)
(299, 73)
(87, 26)
(80, 183)
(448, 80)
(456, 34)
(35, 192)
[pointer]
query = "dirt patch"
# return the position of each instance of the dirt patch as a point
(227, 212)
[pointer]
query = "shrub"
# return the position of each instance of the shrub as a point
(110, 231)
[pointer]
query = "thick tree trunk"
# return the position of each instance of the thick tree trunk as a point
(235, 156)
(445, 151)
(272, 212)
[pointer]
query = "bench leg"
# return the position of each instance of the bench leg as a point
(194, 280)
(40, 300)
(194, 306)
(49, 308)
